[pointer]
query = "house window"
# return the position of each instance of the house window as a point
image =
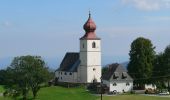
(127, 84)
(94, 69)
(65, 73)
(70, 73)
(93, 45)
(61, 73)
(116, 75)
(61, 78)
(124, 75)
(114, 84)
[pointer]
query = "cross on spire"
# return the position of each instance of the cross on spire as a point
(89, 14)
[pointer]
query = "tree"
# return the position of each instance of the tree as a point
(142, 55)
(159, 70)
(104, 69)
(27, 73)
(162, 68)
(167, 64)
(2, 76)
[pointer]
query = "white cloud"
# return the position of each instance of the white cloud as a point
(148, 5)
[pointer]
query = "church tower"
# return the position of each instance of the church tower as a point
(89, 70)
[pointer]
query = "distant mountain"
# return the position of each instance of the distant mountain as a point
(4, 62)
(125, 64)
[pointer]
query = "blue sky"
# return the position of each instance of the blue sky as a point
(50, 28)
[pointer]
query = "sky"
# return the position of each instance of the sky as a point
(50, 28)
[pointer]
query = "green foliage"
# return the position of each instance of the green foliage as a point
(26, 73)
(167, 65)
(167, 61)
(104, 70)
(162, 68)
(142, 55)
(1, 89)
(159, 67)
(2, 76)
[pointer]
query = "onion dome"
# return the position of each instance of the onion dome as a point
(89, 28)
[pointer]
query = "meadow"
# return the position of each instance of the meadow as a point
(80, 93)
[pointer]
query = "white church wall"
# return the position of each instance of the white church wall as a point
(83, 58)
(94, 72)
(82, 74)
(89, 46)
(66, 76)
(94, 58)
(90, 67)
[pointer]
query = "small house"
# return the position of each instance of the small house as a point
(117, 79)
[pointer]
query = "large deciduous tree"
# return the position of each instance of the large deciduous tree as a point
(142, 55)
(161, 72)
(27, 73)
(167, 64)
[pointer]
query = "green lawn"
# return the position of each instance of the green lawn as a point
(1, 89)
(61, 93)
(134, 97)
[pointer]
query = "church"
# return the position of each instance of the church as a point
(83, 66)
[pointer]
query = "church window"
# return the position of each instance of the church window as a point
(93, 45)
(114, 84)
(70, 73)
(61, 78)
(65, 73)
(83, 45)
(61, 73)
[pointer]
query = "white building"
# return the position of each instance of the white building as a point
(117, 79)
(85, 66)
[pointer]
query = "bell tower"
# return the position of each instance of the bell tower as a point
(89, 70)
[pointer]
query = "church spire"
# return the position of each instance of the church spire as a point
(89, 14)
(89, 28)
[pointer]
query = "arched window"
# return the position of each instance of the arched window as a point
(93, 45)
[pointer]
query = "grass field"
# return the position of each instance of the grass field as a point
(61, 93)
(134, 97)
(1, 89)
